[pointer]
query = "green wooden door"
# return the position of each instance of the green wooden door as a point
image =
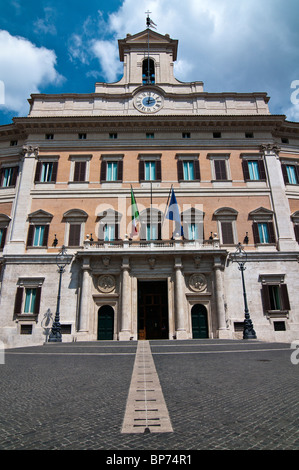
(199, 321)
(105, 323)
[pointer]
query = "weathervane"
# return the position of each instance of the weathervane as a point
(149, 23)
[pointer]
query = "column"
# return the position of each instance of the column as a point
(22, 203)
(280, 203)
(219, 295)
(180, 316)
(126, 310)
(85, 298)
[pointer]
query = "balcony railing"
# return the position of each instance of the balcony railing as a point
(152, 244)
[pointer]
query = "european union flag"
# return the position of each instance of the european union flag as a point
(173, 213)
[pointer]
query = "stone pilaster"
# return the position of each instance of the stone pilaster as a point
(85, 298)
(16, 242)
(126, 307)
(281, 208)
(219, 297)
(180, 315)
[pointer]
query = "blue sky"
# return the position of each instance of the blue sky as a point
(51, 46)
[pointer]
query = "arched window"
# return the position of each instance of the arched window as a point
(148, 72)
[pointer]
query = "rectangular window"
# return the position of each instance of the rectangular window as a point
(113, 135)
(188, 171)
(220, 169)
(151, 232)
(80, 171)
(109, 232)
(49, 136)
(227, 233)
(150, 171)
(30, 298)
(38, 235)
(254, 170)
(150, 135)
(290, 173)
(2, 237)
(7, 175)
(74, 234)
(46, 172)
(111, 171)
(263, 232)
(275, 297)
(186, 135)
(81, 136)
(193, 231)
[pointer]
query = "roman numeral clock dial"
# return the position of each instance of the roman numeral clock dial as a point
(148, 101)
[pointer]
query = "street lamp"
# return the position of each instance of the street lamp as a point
(240, 256)
(62, 260)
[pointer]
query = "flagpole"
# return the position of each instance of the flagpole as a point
(166, 205)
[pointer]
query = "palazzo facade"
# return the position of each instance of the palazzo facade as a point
(68, 172)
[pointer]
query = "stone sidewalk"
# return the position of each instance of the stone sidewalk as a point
(232, 395)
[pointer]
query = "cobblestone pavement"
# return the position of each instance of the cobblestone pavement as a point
(233, 395)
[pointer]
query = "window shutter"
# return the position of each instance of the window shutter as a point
(18, 300)
(80, 170)
(271, 231)
(196, 170)
(120, 170)
(159, 231)
(284, 173)
(255, 231)
(46, 235)
(37, 300)
(227, 233)
(158, 170)
(116, 231)
(180, 170)
(103, 171)
(245, 170)
(296, 230)
(30, 235)
(141, 170)
(297, 173)
(261, 167)
(285, 297)
(266, 297)
(74, 235)
(14, 176)
(54, 172)
(220, 169)
(3, 238)
(1, 176)
(38, 172)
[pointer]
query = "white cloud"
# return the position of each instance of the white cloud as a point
(24, 69)
(107, 54)
(234, 45)
(46, 25)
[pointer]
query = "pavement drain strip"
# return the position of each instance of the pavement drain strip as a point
(146, 409)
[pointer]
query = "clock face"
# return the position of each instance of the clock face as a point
(148, 101)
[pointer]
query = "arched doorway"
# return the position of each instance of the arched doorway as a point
(199, 316)
(105, 322)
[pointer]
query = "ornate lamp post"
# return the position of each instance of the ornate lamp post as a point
(240, 256)
(62, 260)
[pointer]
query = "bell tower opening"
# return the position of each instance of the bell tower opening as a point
(148, 72)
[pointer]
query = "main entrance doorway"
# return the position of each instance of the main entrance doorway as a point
(105, 322)
(199, 317)
(152, 310)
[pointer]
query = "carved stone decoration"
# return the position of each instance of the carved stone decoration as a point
(152, 262)
(106, 283)
(106, 261)
(198, 282)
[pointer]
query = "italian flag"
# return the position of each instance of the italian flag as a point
(135, 214)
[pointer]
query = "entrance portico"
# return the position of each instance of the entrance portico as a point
(152, 290)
